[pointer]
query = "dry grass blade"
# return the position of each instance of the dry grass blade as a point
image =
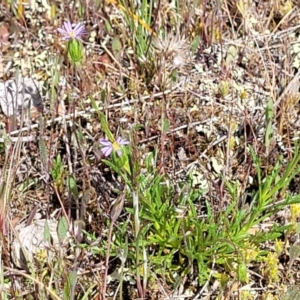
(36, 281)
(8, 178)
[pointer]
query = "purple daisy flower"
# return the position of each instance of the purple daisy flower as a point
(69, 31)
(108, 146)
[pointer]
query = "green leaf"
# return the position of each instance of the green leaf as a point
(103, 122)
(103, 96)
(43, 152)
(107, 26)
(80, 10)
(47, 235)
(291, 294)
(231, 55)
(269, 118)
(105, 127)
(72, 186)
(116, 46)
(62, 228)
(57, 169)
(165, 125)
(195, 43)
(294, 253)
(69, 286)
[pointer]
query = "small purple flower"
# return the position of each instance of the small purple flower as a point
(108, 146)
(69, 32)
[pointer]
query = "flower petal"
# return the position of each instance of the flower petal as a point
(61, 30)
(81, 30)
(121, 141)
(80, 34)
(105, 142)
(72, 31)
(68, 26)
(79, 27)
(106, 150)
(119, 152)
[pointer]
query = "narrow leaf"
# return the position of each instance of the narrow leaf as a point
(72, 186)
(62, 228)
(47, 235)
(103, 121)
(69, 286)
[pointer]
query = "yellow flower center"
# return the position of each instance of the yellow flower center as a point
(116, 146)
